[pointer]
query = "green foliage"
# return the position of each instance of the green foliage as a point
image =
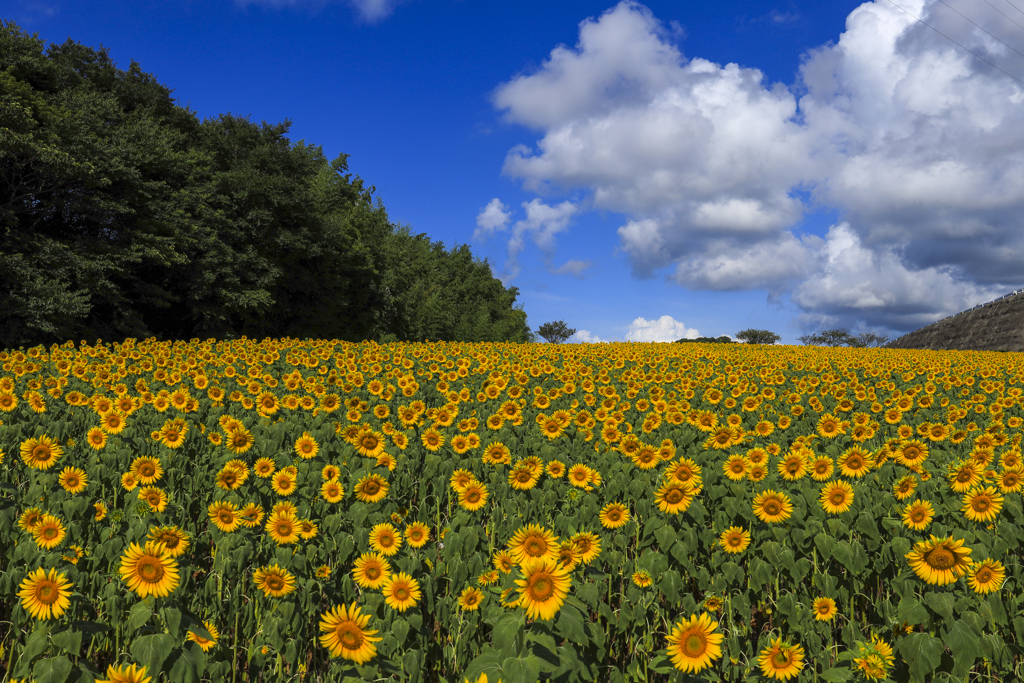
(842, 337)
(752, 336)
(556, 332)
(724, 339)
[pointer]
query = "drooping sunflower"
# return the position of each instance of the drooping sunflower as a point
(401, 591)
(693, 645)
(772, 506)
(274, 581)
(332, 491)
(986, 576)
(543, 587)
(224, 515)
(283, 528)
(824, 609)
(836, 497)
(385, 539)
(371, 488)
(371, 570)
(73, 480)
(470, 599)
(532, 542)
(205, 643)
(131, 673)
(149, 570)
(345, 635)
(735, 539)
(174, 540)
(589, 545)
(41, 453)
(417, 534)
(49, 532)
(44, 594)
(781, 660)
(473, 497)
(982, 505)
(940, 561)
(918, 515)
(614, 516)
(673, 497)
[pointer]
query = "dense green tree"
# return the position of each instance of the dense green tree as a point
(556, 332)
(124, 215)
(753, 336)
(842, 337)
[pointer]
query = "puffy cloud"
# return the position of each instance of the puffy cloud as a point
(664, 329)
(585, 337)
(541, 225)
(491, 219)
(916, 143)
(572, 267)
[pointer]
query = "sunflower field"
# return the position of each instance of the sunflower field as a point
(286, 510)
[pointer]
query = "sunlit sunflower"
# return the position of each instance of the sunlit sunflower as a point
(736, 466)
(385, 539)
(147, 470)
(99, 510)
(274, 581)
(284, 482)
(793, 466)
(205, 643)
(496, 453)
(579, 475)
(264, 467)
(589, 545)
(912, 453)
(470, 599)
(904, 487)
(401, 591)
(460, 479)
(614, 516)
(155, 497)
(417, 534)
(855, 462)
(131, 673)
(693, 645)
(306, 446)
(41, 453)
(371, 488)
(251, 515)
(824, 609)
(332, 491)
(224, 515)
(673, 497)
(231, 478)
(641, 578)
(503, 561)
(735, 539)
(836, 497)
(982, 505)
(781, 660)
(174, 540)
(49, 532)
(73, 480)
(45, 595)
(965, 475)
(555, 469)
(940, 561)
(522, 477)
(149, 570)
(822, 468)
(986, 576)
(918, 515)
(345, 635)
(239, 440)
(532, 542)
(473, 496)
(283, 528)
(1011, 480)
(772, 506)
(30, 519)
(96, 438)
(543, 588)
(371, 570)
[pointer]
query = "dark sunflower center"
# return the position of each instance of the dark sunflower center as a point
(535, 547)
(838, 497)
(614, 515)
(150, 570)
(695, 644)
(473, 496)
(350, 637)
(284, 528)
(386, 540)
(46, 592)
(275, 582)
(781, 659)
(41, 453)
(401, 593)
(523, 476)
(940, 558)
(541, 587)
(981, 504)
(226, 517)
(855, 463)
(984, 575)
(371, 488)
(674, 496)
(50, 533)
(772, 507)
(373, 572)
(917, 516)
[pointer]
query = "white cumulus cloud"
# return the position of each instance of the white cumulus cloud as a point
(585, 337)
(664, 329)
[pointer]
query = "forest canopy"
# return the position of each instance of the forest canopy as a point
(124, 215)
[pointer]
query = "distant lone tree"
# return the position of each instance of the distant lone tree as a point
(556, 332)
(842, 337)
(724, 339)
(871, 339)
(757, 336)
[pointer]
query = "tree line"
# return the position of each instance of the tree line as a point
(124, 215)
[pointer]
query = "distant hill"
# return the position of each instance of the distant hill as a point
(994, 326)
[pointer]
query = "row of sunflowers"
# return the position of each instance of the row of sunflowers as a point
(327, 511)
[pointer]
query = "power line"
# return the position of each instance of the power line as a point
(969, 19)
(1004, 14)
(956, 43)
(1014, 6)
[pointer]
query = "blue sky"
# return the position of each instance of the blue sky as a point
(642, 171)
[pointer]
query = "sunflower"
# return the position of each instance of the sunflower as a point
(205, 643)
(939, 560)
(523, 478)
(904, 487)
(345, 634)
(385, 539)
(470, 599)
(673, 498)
(822, 468)
(986, 576)
(30, 519)
(332, 491)
(224, 515)
(503, 561)
(614, 515)
(965, 475)
(735, 539)
(155, 497)
(371, 570)
(417, 534)
(306, 446)
(283, 528)
(284, 482)
(371, 488)
(239, 440)
(982, 505)
(264, 467)
(736, 466)
(589, 545)
(855, 462)
(231, 478)
(543, 587)
(147, 470)
(473, 497)
(460, 479)
(836, 497)
(172, 434)
(49, 532)
(912, 453)
(174, 540)
(41, 453)
(781, 660)
(1011, 480)
(150, 570)
(829, 426)
(641, 578)
(556, 469)
(99, 510)
(579, 475)
(401, 591)
(73, 480)
(772, 506)
(96, 438)
(824, 609)
(132, 673)
(532, 542)
(274, 581)
(496, 453)
(918, 515)
(685, 471)
(251, 515)
(45, 595)
(692, 645)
